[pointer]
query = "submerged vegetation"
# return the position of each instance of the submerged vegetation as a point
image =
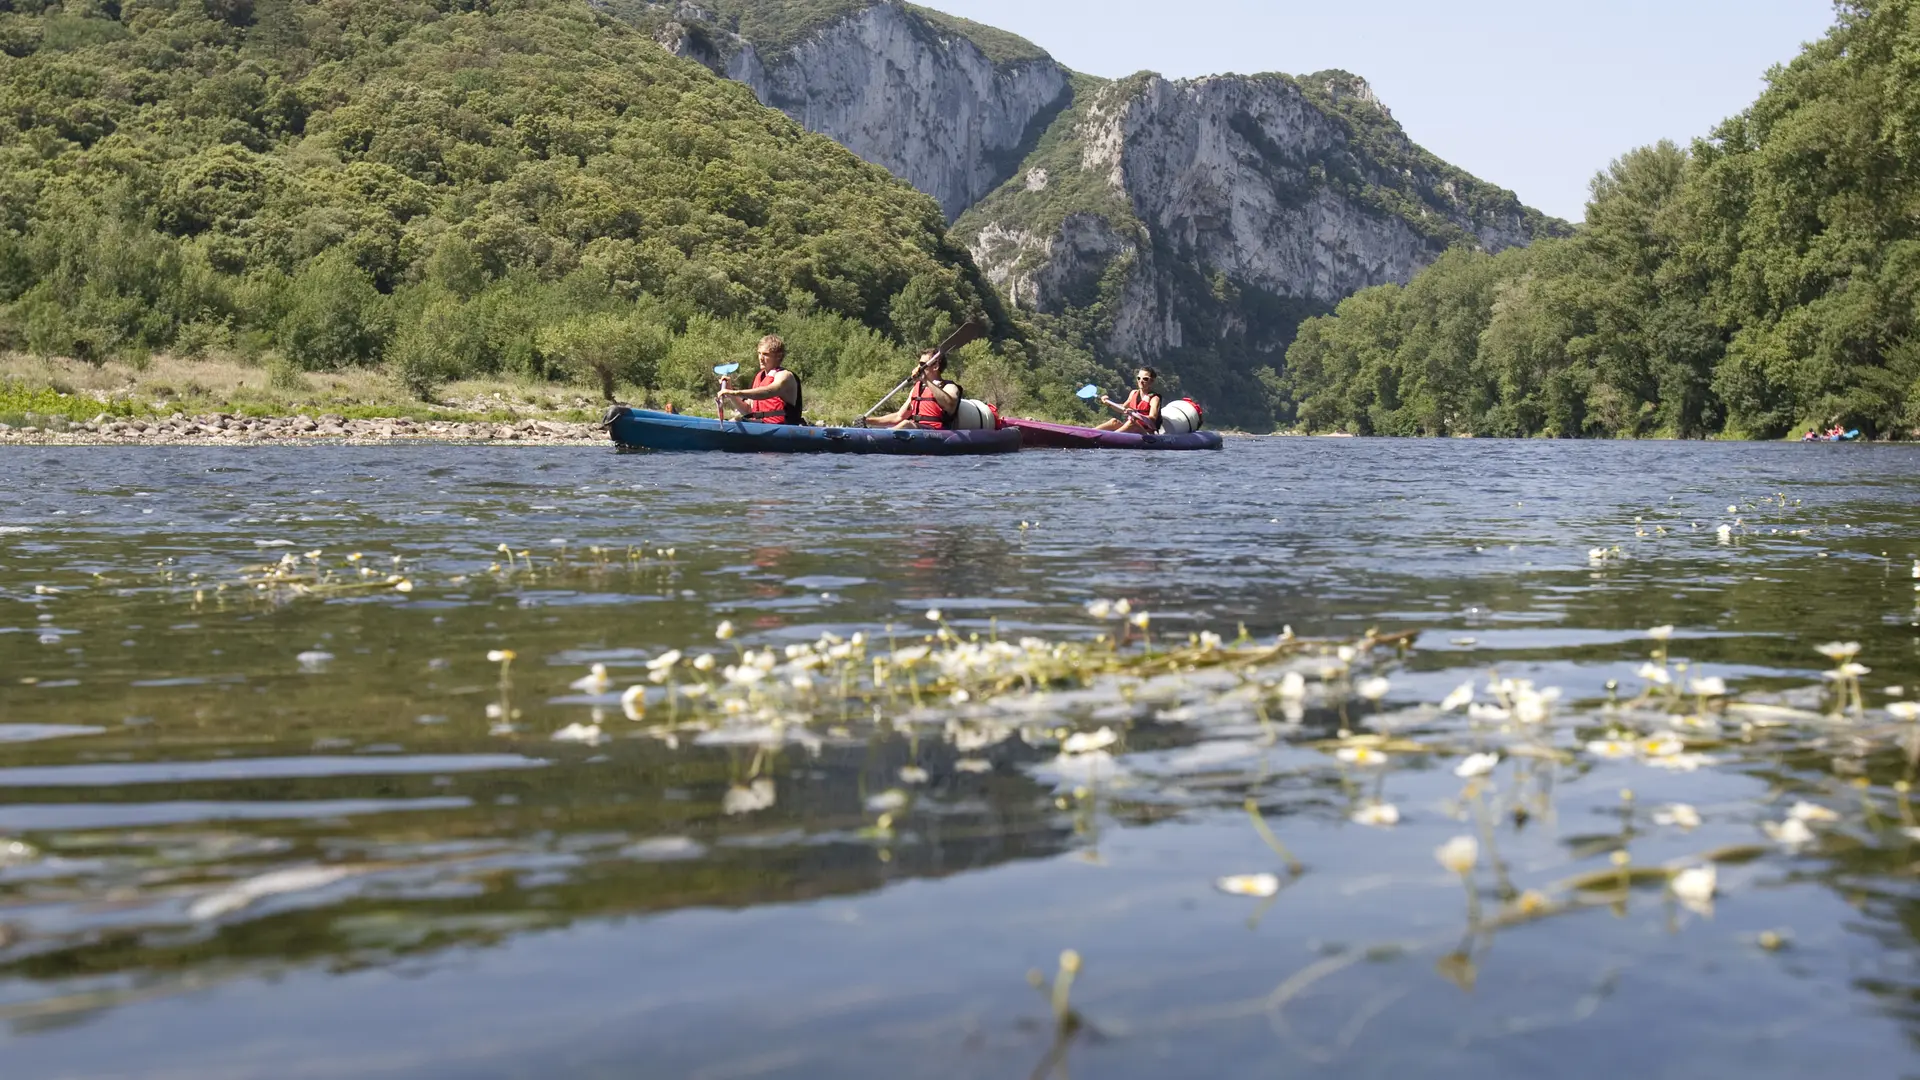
(1756, 284)
(442, 190)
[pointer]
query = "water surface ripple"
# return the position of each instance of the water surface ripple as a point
(251, 831)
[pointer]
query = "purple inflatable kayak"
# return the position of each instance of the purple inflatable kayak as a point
(1039, 434)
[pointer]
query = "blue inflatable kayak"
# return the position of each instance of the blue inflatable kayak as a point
(645, 429)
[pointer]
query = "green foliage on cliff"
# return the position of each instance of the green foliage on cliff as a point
(1379, 167)
(454, 186)
(999, 46)
(1761, 283)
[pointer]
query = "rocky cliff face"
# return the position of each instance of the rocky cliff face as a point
(895, 85)
(1216, 212)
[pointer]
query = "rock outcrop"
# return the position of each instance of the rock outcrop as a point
(1218, 211)
(902, 88)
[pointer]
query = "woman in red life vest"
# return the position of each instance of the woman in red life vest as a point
(775, 397)
(933, 401)
(1141, 413)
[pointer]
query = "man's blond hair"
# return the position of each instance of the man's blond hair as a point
(773, 341)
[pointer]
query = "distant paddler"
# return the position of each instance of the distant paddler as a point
(775, 397)
(1141, 413)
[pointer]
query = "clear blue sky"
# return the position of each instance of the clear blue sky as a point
(1534, 95)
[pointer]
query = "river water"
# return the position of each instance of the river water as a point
(268, 808)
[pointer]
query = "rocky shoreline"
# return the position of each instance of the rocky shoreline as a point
(228, 429)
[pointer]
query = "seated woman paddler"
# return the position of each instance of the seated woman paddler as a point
(933, 403)
(775, 397)
(1141, 412)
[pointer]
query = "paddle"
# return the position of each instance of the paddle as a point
(1087, 392)
(970, 331)
(719, 405)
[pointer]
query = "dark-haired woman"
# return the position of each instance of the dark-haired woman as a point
(1141, 412)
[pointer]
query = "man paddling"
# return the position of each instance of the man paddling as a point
(775, 397)
(933, 403)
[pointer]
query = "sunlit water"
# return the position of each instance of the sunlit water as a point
(248, 832)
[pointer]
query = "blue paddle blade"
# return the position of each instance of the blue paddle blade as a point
(1087, 392)
(726, 369)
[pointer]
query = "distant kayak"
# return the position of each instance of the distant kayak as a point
(1037, 434)
(643, 429)
(1847, 437)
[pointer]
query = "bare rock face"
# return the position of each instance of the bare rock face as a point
(897, 89)
(1204, 203)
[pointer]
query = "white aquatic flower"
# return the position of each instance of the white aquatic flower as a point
(596, 681)
(1123, 607)
(747, 800)
(1661, 633)
(1654, 674)
(1210, 641)
(1531, 706)
(1364, 756)
(1680, 762)
(1141, 620)
(1694, 886)
(1806, 811)
(1100, 609)
(1293, 686)
(1855, 670)
(634, 703)
(1597, 555)
(933, 614)
(1378, 814)
(973, 765)
(1838, 650)
(1678, 815)
(1255, 885)
(587, 734)
(1346, 653)
(1714, 686)
(1085, 742)
(724, 630)
(1725, 533)
(1459, 854)
(499, 656)
(1904, 710)
(1792, 832)
(912, 774)
(1461, 697)
(1489, 714)
(911, 655)
(664, 661)
(1610, 749)
(1476, 765)
(314, 659)
(803, 683)
(743, 674)
(1662, 745)
(959, 697)
(1373, 689)
(703, 662)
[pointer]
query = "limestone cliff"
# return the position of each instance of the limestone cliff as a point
(1215, 213)
(947, 105)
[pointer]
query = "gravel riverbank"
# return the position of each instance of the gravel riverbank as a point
(214, 429)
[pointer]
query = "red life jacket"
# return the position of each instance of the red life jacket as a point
(1140, 403)
(924, 409)
(775, 409)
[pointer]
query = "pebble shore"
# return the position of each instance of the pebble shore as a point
(227, 429)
